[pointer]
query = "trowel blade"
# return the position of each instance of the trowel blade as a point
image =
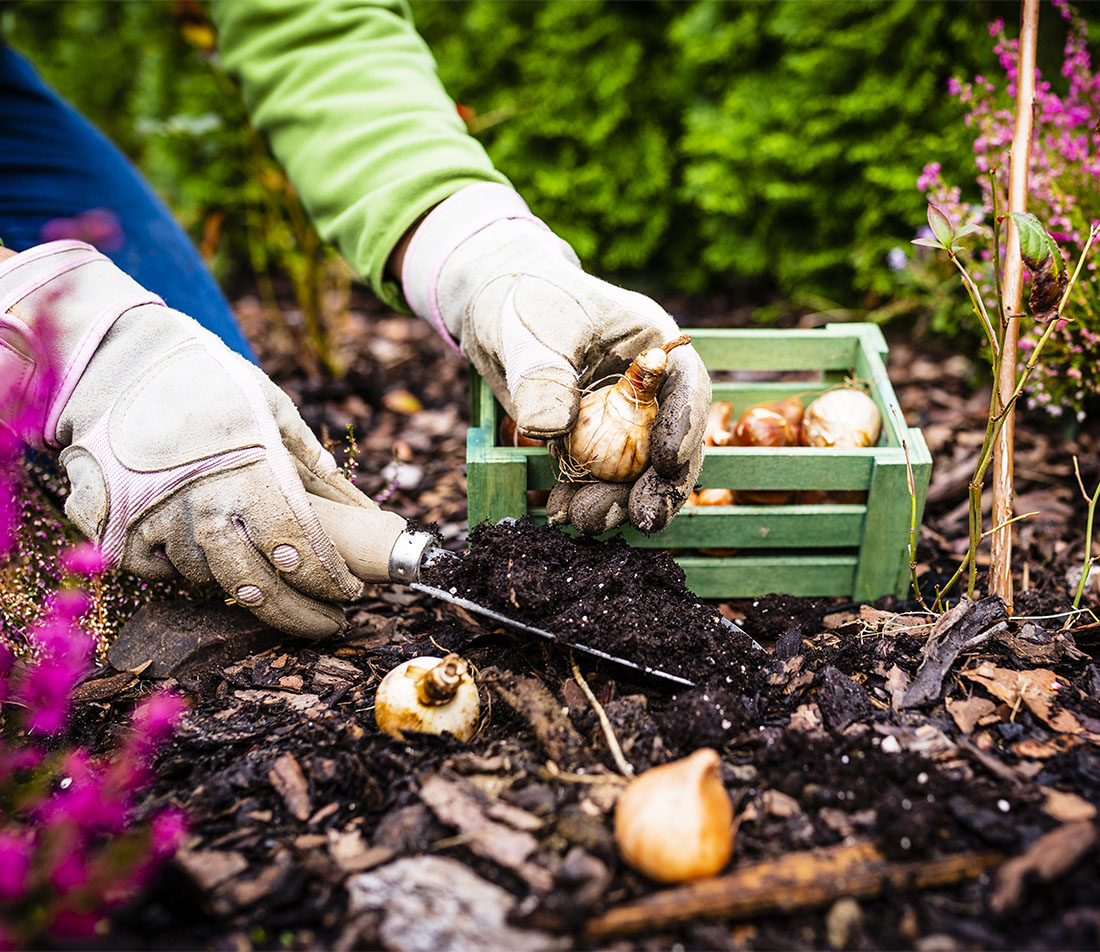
(496, 616)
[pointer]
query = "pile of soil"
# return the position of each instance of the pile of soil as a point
(630, 603)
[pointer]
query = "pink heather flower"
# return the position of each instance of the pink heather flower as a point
(70, 873)
(168, 829)
(69, 605)
(85, 559)
(45, 691)
(56, 637)
(928, 176)
(15, 865)
(154, 722)
(97, 226)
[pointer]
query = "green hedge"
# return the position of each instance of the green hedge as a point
(770, 145)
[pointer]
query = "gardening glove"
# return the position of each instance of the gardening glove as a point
(183, 457)
(505, 291)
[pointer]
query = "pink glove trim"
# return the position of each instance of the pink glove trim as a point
(41, 251)
(83, 352)
(447, 226)
(36, 283)
(130, 494)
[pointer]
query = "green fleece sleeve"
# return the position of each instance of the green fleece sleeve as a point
(348, 96)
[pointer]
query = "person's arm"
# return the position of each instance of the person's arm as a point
(347, 94)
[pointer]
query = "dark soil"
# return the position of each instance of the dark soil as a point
(311, 829)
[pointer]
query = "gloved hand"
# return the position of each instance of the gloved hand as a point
(496, 282)
(183, 457)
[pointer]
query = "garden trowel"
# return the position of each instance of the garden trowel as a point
(380, 546)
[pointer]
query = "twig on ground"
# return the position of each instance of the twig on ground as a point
(612, 741)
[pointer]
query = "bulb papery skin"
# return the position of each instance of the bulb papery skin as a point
(610, 440)
(842, 419)
(674, 823)
(399, 704)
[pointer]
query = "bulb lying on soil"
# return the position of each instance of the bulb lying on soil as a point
(429, 695)
(675, 822)
(610, 440)
(844, 419)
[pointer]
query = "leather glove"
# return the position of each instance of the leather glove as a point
(183, 457)
(509, 294)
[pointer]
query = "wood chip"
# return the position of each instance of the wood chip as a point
(210, 868)
(351, 853)
(457, 806)
(1048, 858)
(1067, 807)
(966, 625)
(289, 782)
(795, 881)
(437, 904)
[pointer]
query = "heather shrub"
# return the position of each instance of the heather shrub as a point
(1064, 193)
(71, 847)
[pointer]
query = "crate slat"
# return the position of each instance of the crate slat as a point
(743, 576)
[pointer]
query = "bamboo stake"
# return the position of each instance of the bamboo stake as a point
(1000, 569)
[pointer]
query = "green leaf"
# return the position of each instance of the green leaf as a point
(928, 243)
(970, 229)
(941, 225)
(1035, 244)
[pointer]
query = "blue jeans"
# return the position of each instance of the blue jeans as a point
(61, 177)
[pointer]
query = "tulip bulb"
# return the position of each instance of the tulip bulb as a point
(844, 419)
(674, 823)
(769, 424)
(429, 695)
(610, 440)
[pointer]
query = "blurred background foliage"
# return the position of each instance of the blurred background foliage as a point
(766, 149)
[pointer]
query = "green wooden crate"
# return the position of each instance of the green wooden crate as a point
(856, 551)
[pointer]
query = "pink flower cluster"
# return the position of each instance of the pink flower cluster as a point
(1064, 193)
(70, 846)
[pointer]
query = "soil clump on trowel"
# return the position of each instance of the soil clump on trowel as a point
(631, 603)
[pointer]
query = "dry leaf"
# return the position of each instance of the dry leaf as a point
(897, 681)
(1036, 688)
(1035, 748)
(967, 713)
(401, 401)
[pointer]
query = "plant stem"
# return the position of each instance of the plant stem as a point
(1086, 567)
